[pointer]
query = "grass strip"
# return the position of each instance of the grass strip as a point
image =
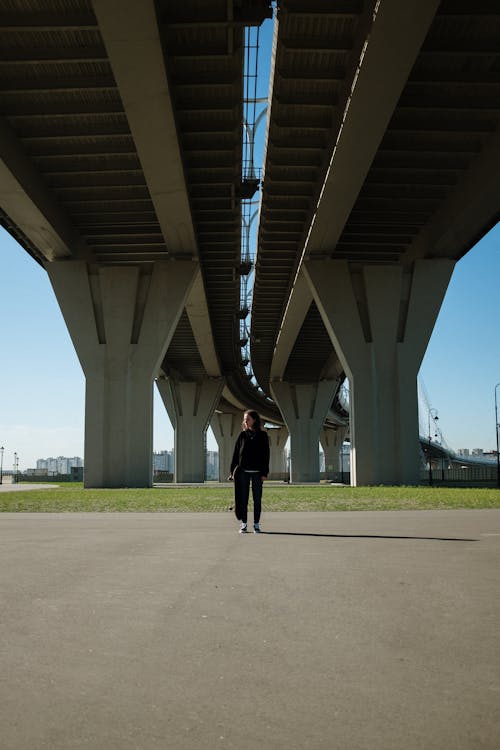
(214, 499)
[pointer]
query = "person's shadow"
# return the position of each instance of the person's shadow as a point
(367, 536)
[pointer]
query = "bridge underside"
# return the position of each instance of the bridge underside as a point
(121, 174)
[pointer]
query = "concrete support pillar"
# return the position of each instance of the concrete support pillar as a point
(304, 407)
(226, 428)
(331, 441)
(121, 322)
(277, 441)
(190, 406)
(380, 320)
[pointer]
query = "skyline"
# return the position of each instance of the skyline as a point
(42, 385)
(466, 452)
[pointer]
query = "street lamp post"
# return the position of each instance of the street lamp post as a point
(434, 415)
(1, 464)
(15, 467)
(496, 434)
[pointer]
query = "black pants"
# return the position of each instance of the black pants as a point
(241, 492)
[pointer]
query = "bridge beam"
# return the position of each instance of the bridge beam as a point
(226, 428)
(380, 320)
(395, 39)
(304, 407)
(120, 322)
(190, 406)
(135, 51)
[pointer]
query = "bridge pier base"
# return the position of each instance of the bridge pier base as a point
(304, 407)
(331, 441)
(190, 406)
(277, 440)
(380, 320)
(226, 428)
(120, 322)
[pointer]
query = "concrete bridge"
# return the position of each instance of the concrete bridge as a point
(121, 174)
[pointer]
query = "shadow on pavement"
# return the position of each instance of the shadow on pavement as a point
(367, 536)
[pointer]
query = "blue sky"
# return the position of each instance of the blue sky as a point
(462, 363)
(42, 385)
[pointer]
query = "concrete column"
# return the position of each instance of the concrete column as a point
(190, 406)
(277, 440)
(380, 321)
(226, 428)
(304, 407)
(120, 322)
(331, 441)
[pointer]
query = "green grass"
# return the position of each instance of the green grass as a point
(73, 498)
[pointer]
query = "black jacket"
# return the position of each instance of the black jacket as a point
(251, 452)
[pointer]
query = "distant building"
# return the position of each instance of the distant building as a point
(465, 453)
(345, 457)
(57, 466)
(163, 461)
(490, 454)
(212, 465)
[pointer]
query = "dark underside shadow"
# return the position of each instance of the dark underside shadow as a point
(367, 536)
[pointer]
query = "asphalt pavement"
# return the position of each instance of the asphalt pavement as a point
(354, 630)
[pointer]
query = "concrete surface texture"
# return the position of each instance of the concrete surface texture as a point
(23, 486)
(357, 631)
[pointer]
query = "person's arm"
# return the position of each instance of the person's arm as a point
(265, 456)
(236, 456)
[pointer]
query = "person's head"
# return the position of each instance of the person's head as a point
(251, 420)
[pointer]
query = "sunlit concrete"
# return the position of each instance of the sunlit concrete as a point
(304, 407)
(120, 322)
(226, 428)
(278, 458)
(331, 442)
(380, 323)
(190, 406)
(356, 630)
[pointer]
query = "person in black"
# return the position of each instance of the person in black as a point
(250, 464)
